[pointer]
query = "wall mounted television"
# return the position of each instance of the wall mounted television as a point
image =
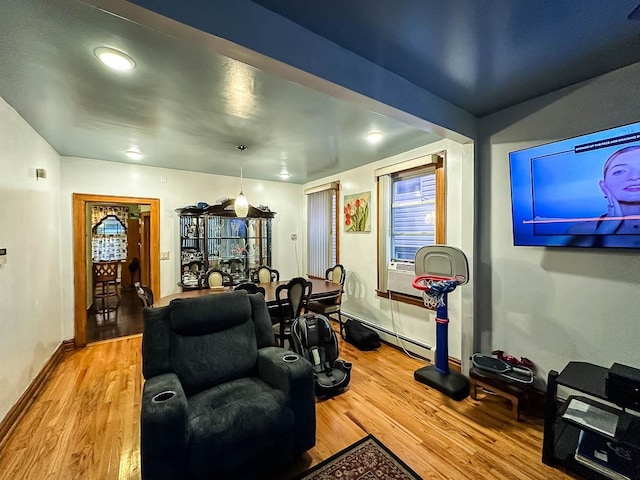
(579, 192)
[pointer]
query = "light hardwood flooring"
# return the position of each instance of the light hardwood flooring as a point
(85, 424)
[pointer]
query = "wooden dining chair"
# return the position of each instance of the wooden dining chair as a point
(250, 288)
(265, 274)
(145, 294)
(293, 300)
(332, 304)
(217, 278)
(106, 295)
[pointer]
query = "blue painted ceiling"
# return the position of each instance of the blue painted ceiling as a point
(480, 55)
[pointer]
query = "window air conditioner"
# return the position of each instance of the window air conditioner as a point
(400, 277)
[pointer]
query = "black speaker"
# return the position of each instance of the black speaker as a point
(622, 386)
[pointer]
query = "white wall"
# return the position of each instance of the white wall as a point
(81, 175)
(358, 252)
(554, 305)
(30, 292)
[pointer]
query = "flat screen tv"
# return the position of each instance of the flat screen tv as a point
(579, 192)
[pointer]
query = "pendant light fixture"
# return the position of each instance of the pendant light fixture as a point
(241, 205)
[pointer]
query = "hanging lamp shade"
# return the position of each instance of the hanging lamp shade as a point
(241, 205)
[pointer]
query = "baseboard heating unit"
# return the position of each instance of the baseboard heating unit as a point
(421, 349)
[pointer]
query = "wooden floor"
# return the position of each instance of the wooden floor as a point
(85, 424)
(127, 321)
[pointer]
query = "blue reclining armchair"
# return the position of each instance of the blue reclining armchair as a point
(219, 400)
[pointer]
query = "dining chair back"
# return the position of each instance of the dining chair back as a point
(293, 300)
(336, 274)
(217, 278)
(106, 295)
(265, 274)
(332, 304)
(250, 288)
(145, 294)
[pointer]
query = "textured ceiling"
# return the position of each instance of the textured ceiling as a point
(183, 106)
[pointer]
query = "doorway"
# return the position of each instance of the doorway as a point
(149, 233)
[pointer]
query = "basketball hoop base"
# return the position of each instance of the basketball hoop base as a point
(453, 384)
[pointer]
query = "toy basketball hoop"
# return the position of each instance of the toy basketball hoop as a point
(440, 269)
(434, 289)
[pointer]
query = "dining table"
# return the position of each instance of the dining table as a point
(320, 289)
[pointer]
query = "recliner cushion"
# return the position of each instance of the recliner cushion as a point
(221, 324)
(210, 313)
(204, 361)
(225, 419)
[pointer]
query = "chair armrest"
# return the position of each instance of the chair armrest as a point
(163, 428)
(291, 373)
(284, 370)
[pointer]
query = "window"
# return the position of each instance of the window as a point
(322, 228)
(110, 225)
(411, 198)
(413, 203)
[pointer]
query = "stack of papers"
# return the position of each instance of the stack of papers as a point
(591, 417)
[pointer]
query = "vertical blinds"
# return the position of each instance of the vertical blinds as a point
(321, 244)
(334, 226)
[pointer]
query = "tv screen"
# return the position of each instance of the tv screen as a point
(582, 192)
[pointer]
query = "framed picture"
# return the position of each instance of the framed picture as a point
(357, 217)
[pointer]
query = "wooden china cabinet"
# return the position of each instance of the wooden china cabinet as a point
(213, 237)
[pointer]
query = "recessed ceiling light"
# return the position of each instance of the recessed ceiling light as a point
(134, 154)
(115, 59)
(374, 137)
(284, 174)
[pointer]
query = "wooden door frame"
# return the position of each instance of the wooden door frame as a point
(145, 258)
(80, 201)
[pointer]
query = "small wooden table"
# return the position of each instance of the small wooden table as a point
(320, 289)
(492, 382)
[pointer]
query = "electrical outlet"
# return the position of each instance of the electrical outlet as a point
(164, 255)
(294, 236)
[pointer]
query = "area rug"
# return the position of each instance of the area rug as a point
(367, 459)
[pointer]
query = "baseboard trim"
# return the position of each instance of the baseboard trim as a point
(15, 414)
(390, 338)
(397, 340)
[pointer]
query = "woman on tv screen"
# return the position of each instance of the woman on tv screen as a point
(620, 185)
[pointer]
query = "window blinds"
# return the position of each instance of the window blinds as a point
(321, 244)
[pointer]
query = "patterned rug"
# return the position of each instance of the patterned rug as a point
(367, 459)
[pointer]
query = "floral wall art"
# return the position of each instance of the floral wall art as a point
(356, 212)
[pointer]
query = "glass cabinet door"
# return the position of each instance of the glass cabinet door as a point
(258, 242)
(227, 246)
(213, 238)
(192, 251)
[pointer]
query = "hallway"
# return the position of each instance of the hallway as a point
(128, 320)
